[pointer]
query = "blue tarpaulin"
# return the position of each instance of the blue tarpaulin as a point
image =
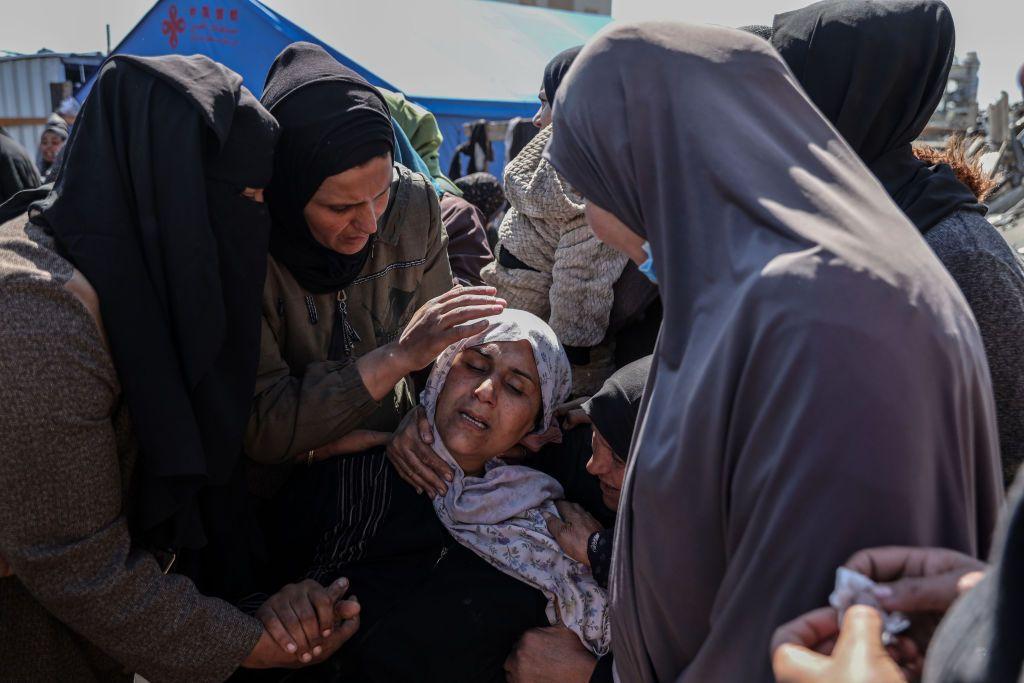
(461, 59)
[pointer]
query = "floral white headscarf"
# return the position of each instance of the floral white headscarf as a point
(499, 516)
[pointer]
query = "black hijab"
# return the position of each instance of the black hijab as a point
(331, 120)
(148, 206)
(556, 69)
(613, 410)
(877, 71)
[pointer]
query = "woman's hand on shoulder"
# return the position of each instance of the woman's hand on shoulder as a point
(413, 457)
(573, 530)
(305, 623)
(455, 315)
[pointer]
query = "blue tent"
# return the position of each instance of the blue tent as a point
(461, 59)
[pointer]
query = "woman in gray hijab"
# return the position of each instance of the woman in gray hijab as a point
(819, 385)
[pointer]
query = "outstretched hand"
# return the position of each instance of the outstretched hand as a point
(410, 451)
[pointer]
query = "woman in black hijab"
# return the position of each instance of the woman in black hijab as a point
(877, 71)
(554, 72)
(17, 172)
(131, 320)
(358, 265)
(548, 653)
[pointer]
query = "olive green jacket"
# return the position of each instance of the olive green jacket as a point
(303, 400)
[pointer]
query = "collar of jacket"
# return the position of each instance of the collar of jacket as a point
(401, 186)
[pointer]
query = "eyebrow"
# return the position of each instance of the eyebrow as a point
(516, 371)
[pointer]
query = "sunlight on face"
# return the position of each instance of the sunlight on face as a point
(608, 468)
(343, 213)
(490, 401)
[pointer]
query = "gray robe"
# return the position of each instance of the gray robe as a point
(819, 385)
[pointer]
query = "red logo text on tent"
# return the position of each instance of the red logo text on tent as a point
(172, 26)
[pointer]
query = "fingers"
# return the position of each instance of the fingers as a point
(465, 313)
(575, 418)
(426, 431)
(346, 609)
(556, 527)
(293, 624)
(406, 473)
(929, 594)
(306, 613)
(349, 627)
(568, 510)
(460, 291)
(435, 485)
(272, 624)
(460, 332)
(808, 630)
(797, 664)
(860, 636)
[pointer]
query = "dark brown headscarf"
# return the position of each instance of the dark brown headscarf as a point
(819, 385)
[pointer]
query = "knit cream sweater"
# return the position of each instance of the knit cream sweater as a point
(571, 284)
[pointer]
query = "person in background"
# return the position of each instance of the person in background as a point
(17, 172)
(130, 306)
(50, 143)
(468, 249)
(978, 639)
(897, 57)
(549, 261)
(485, 192)
(554, 654)
(819, 385)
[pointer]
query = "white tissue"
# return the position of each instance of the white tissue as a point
(853, 588)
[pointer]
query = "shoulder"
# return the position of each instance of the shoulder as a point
(967, 235)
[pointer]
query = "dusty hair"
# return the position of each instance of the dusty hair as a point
(966, 167)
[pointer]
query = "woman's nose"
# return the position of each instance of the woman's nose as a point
(485, 392)
(366, 221)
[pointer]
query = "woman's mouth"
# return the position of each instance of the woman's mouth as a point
(608, 488)
(473, 421)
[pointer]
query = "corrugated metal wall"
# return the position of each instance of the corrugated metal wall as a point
(25, 94)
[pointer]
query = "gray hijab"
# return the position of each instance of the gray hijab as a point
(819, 385)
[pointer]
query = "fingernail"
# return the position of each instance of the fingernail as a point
(882, 591)
(306, 657)
(290, 647)
(449, 476)
(419, 490)
(326, 633)
(317, 650)
(342, 582)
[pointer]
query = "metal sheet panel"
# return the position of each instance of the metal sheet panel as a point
(25, 94)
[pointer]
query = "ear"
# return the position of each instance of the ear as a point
(536, 441)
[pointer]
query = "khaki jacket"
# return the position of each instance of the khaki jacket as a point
(303, 400)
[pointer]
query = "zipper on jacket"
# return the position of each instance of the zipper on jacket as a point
(349, 337)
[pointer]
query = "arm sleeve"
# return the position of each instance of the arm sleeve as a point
(584, 271)
(437, 273)
(468, 250)
(852, 440)
(604, 671)
(64, 532)
(599, 552)
(994, 289)
(291, 415)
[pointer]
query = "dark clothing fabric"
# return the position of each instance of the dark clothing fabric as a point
(992, 280)
(613, 410)
(604, 672)
(520, 132)
(599, 552)
(877, 71)
(556, 69)
(483, 191)
(86, 602)
(17, 172)
(814, 356)
(477, 148)
(178, 258)
(331, 120)
(468, 250)
(566, 462)
(432, 610)
(979, 640)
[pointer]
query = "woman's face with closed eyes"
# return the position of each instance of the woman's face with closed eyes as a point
(489, 402)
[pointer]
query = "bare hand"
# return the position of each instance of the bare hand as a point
(803, 652)
(444, 320)
(549, 655)
(309, 622)
(573, 530)
(356, 441)
(571, 415)
(410, 451)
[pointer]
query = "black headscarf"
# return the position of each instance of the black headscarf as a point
(483, 191)
(877, 71)
(331, 120)
(148, 206)
(556, 69)
(613, 410)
